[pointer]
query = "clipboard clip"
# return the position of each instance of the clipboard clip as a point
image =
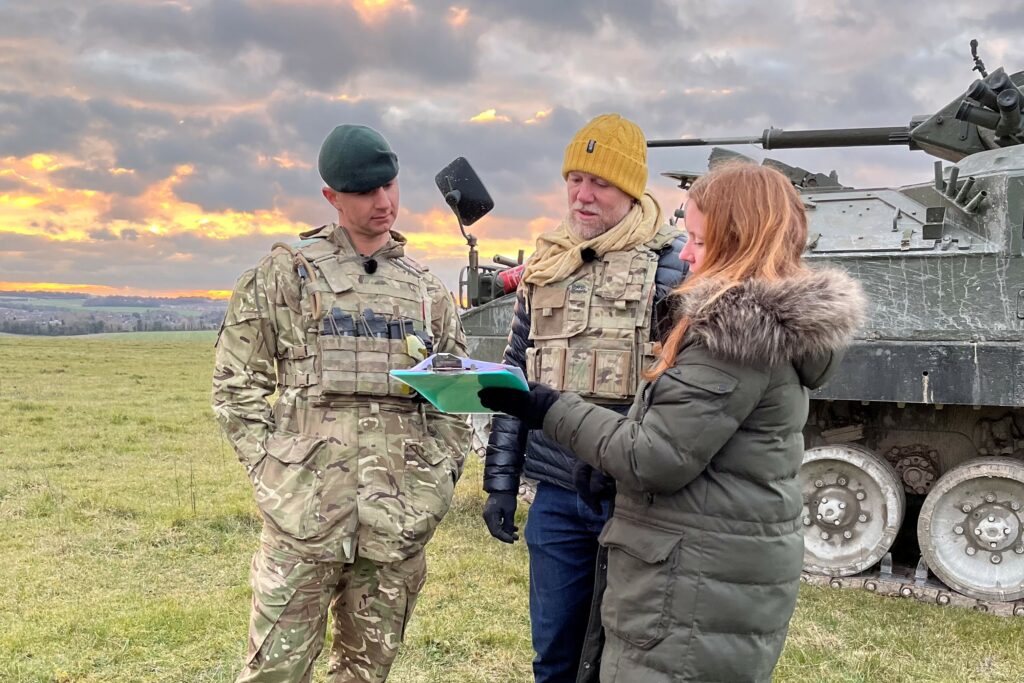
(445, 362)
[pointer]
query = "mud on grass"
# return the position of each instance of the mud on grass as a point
(128, 525)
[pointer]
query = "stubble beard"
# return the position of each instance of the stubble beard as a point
(588, 231)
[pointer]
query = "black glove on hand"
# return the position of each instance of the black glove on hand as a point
(499, 514)
(529, 407)
(592, 485)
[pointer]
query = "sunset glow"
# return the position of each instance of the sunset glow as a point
(41, 207)
(539, 116)
(458, 16)
(104, 290)
(488, 116)
(373, 11)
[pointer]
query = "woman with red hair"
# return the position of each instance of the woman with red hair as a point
(705, 542)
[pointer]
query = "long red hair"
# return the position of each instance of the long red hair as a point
(755, 228)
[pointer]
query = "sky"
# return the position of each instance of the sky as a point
(160, 148)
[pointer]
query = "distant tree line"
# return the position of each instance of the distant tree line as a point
(48, 329)
(71, 324)
(134, 301)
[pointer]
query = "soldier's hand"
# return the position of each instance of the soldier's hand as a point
(499, 514)
(530, 407)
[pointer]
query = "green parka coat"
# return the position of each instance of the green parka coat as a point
(705, 543)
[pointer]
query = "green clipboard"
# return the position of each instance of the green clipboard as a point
(451, 383)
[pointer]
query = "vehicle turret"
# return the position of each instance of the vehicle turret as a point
(988, 115)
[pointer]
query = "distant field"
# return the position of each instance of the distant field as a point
(74, 305)
(127, 529)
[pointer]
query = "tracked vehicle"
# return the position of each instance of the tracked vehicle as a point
(913, 477)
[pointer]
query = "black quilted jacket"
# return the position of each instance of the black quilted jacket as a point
(539, 457)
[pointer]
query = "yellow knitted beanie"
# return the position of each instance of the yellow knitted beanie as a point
(612, 148)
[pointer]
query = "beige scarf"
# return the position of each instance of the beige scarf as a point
(558, 252)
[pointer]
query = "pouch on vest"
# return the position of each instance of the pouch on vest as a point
(562, 310)
(359, 364)
(586, 333)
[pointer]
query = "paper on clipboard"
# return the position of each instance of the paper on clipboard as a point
(454, 389)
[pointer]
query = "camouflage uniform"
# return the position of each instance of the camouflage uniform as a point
(351, 473)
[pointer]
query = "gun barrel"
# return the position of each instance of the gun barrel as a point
(704, 142)
(775, 138)
(505, 261)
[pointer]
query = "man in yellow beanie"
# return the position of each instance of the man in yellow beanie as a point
(585, 320)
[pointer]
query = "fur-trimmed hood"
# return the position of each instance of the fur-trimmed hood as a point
(759, 322)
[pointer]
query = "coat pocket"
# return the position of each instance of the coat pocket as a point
(288, 484)
(641, 578)
(429, 486)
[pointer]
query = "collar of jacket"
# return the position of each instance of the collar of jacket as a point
(394, 248)
(762, 322)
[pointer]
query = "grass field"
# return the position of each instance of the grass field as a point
(127, 526)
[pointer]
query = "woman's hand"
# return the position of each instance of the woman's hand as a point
(530, 407)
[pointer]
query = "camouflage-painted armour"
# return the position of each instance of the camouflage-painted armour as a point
(371, 604)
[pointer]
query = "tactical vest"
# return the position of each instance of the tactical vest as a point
(591, 332)
(367, 324)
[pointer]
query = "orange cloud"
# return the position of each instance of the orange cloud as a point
(458, 16)
(41, 207)
(373, 11)
(435, 235)
(283, 160)
(539, 116)
(488, 116)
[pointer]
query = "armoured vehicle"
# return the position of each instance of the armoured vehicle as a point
(913, 477)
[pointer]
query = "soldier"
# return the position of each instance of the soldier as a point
(584, 321)
(350, 471)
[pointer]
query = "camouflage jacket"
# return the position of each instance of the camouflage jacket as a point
(373, 474)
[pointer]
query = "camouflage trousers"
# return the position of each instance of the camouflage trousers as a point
(371, 604)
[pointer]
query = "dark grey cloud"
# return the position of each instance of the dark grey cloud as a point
(32, 124)
(20, 19)
(8, 183)
(103, 235)
(241, 189)
(653, 18)
(178, 262)
(314, 45)
(100, 180)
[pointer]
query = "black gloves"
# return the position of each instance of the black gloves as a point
(499, 514)
(529, 407)
(592, 485)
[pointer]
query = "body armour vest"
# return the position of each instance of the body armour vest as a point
(591, 332)
(361, 324)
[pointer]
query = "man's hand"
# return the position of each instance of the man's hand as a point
(530, 407)
(499, 514)
(592, 485)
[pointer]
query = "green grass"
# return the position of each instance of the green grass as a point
(127, 528)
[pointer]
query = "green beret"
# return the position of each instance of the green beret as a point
(356, 159)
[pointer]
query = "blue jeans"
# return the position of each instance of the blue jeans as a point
(561, 535)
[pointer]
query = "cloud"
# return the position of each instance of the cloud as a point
(180, 138)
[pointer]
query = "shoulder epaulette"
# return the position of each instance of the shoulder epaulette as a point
(413, 263)
(323, 232)
(664, 237)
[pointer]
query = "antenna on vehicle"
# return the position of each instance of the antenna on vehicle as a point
(979, 65)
